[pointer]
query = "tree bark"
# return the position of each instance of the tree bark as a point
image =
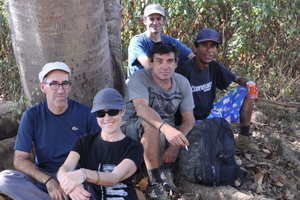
(113, 18)
(73, 31)
(8, 123)
(7, 153)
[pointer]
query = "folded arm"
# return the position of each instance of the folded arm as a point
(70, 179)
(145, 112)
(144, 60)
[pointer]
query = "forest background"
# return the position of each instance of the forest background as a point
(261, 40)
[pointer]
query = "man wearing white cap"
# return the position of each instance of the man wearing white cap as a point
(51, 127)
(140, 45)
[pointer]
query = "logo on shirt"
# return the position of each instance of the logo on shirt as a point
(118, 191)
(74, 128)
(202, 88)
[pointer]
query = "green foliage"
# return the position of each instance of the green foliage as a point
(9, 74)
(260, 38)
(21, 105)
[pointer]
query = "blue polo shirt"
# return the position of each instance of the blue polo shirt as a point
(53, 135)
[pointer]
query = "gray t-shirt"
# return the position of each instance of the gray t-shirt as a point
(164, 102)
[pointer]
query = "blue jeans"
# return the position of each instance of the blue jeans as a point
(19, 186)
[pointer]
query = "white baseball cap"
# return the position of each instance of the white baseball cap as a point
(53, 66)
(154, 9)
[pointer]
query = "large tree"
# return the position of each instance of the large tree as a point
(83, 33)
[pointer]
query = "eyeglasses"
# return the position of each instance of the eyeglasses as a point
(55, 85)
(112, 112)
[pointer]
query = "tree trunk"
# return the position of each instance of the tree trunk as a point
(113, 18)
(85, 34)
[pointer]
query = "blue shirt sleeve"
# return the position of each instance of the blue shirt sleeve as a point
(139, 45)
(135, 50)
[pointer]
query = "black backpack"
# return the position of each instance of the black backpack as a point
(210, 156)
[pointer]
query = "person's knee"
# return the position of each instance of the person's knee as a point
(149, 131)
(5, 176)
(2, 179)
(132, 129)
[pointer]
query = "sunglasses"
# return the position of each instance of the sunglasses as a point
(112, 112)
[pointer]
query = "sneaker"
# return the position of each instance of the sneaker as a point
(167, 178)
(156, 192)
(244, 143)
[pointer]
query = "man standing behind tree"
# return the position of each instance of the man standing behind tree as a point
(156, 94)
(51, 127)
(206, 75)
(140, 45)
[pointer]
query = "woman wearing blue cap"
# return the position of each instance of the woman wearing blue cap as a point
(108, 159)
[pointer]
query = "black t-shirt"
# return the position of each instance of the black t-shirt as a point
(204, 84)
(97, 154)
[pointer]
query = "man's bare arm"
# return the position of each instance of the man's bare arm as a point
(241, 81)
(25, 165)
(144, 60)
(149, 115)
(146, 112)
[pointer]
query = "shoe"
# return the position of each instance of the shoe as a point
(244, 143)
(156, 192)
(167, 178)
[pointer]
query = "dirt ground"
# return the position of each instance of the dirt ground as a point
(274, 171)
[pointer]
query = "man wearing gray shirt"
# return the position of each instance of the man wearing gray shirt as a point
(153, 97)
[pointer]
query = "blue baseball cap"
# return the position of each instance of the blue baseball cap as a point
(108, 98)
(208, 34)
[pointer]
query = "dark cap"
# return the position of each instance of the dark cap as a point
(208, 34)
(108, 98)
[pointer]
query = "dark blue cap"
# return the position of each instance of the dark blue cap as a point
(208, 34)
(108, 98)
